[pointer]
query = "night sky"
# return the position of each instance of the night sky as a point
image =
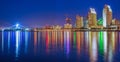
(34, 13)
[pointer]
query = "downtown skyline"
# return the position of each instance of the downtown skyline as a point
(91, 21)
(54, 12)
(59, 30)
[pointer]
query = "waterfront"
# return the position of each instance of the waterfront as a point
(59, 46)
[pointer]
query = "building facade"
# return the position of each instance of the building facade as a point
(92, 18)
(68, 23)
(107, 16)
(79, 21)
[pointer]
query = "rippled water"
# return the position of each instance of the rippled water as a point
(59, 46)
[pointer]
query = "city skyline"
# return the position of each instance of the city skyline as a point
(40, 14)
(91, 21)
(59, 31)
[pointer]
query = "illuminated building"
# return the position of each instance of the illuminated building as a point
(85, 23)
(57, 27)
(79, 21)
(68, 23)
(113, 22)
(107, 15)
(117, 22)
(92, 21)
(100, 23)
(47, 27)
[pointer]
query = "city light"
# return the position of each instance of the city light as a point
(106, 22)
(59, 31)
(17, 25)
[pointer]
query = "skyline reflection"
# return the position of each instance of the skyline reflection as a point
(94, 46)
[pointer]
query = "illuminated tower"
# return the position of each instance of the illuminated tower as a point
(68, 23)
(79, 21)
(92, 21)
(107, 15)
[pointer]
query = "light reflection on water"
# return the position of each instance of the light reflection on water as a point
(26, 41)
(17, 43)
(79, 46)
(2, 41)
(35, 42)
(8, 41)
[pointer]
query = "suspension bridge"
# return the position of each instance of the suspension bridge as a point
(15, 28)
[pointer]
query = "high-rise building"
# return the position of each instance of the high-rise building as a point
(79, 21)
(68, 23)
(107, 16)
(92, 18)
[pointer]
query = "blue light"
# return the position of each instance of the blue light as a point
(3, 29)
(17, 25)
(27, 29)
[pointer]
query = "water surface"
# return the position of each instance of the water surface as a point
(59, 46)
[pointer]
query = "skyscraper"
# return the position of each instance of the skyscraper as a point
(79, 21)
(92, 18)
(107, 16)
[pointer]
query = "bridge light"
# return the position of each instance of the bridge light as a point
(27, 29)
(17, 25)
